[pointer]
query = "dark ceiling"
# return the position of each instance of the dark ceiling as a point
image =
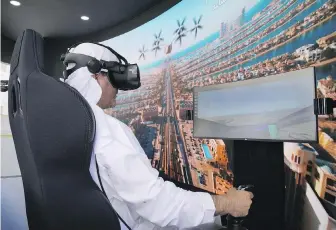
(61, 18)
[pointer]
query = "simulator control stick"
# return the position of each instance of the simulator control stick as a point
(235, 223)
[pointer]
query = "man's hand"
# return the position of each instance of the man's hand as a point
(235, 202)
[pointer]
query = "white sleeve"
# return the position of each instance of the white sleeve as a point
(140, 187)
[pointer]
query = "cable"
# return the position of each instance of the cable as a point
(103, 190)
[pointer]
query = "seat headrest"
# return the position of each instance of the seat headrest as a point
(28, 51)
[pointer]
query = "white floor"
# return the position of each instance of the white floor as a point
(13, 210)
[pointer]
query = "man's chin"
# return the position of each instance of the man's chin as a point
(114, 103)
(108, 106)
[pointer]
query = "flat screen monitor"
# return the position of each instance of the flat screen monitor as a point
(273, 108)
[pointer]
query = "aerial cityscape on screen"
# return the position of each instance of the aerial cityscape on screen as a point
(202, 43)
(275, 108)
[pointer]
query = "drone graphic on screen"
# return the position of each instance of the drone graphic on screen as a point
(142, 52)
(180, 33)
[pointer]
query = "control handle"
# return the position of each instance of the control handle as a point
(237, 221)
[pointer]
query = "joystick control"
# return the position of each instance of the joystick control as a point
(235, 223)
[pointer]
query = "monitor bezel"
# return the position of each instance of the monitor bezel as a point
(255, 139)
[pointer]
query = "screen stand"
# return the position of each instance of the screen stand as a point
(261, 164)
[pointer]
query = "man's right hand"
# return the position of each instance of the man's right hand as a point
(235, 202)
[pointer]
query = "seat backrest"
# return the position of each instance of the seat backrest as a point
(53, 130)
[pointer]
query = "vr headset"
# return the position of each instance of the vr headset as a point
(122, 75)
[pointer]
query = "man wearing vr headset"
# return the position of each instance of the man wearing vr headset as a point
(119, 165)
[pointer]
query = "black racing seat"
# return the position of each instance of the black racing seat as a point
(53, 130)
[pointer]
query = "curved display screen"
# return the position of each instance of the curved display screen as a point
(277, 108)
(211, 42)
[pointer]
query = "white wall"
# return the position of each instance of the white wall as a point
(13, 210)
(4, 75)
